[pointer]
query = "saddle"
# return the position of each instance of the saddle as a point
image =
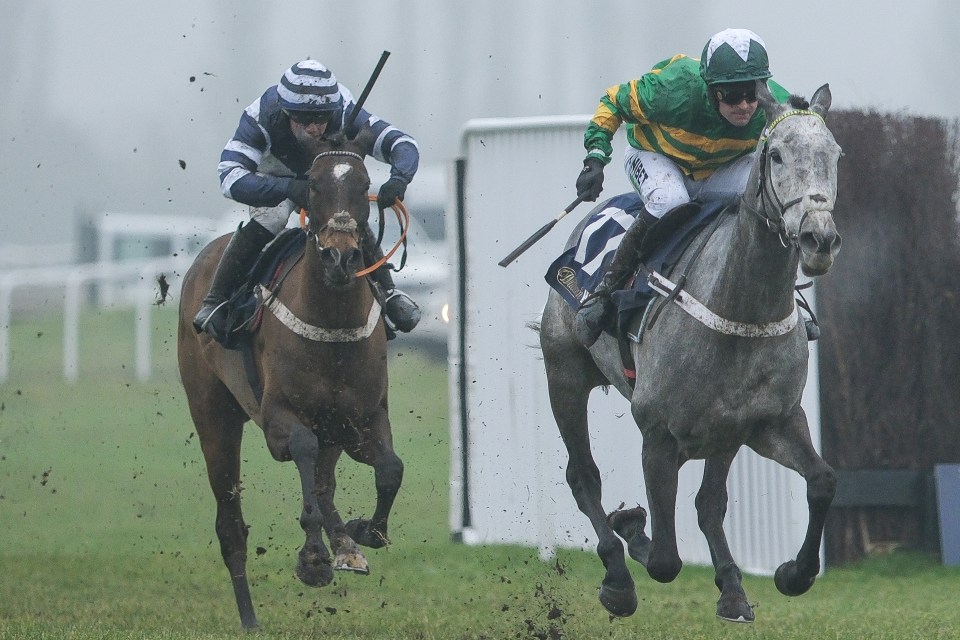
(580, 269)
(243, 311)
(577, 272)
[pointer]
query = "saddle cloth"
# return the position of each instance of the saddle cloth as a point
(580, 269)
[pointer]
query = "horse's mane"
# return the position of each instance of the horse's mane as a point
(799, 102)
(361, 136)
(333, 141)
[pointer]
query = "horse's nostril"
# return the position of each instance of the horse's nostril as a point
(824, 242)
(808, 242)
(353, 257)
(330, 256)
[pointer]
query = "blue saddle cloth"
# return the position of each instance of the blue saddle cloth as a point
(580, 269)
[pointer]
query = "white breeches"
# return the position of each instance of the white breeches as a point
(663, 186)
(273, 219)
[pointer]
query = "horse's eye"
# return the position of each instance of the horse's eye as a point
(776, 157)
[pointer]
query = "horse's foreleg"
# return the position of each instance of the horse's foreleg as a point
(347, 555)
(661, 466)
(313, 564)
(711, 504)
(221, 451)
(376, 450)
(791, 446)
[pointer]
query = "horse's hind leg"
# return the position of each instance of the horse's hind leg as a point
(570, 373)
(347, 556)
(376, 449)
(792, 448)
(220, 439)
(711, 504)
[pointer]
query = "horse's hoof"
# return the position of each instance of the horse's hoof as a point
(741, 619)
(362, 533)
(629, 524)
(314, 570)
(664, 570)
(619, 602)
(735, 608)
(789, 581)
(353, 561)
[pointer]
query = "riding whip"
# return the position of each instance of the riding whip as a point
(529, 242)
(366, 91)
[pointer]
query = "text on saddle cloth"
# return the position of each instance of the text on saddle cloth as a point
(580, 269)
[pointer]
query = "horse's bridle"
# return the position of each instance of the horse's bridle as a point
(335, 223)
(765, 189)
(403, 218)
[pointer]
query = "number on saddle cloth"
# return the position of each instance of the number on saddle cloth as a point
(580, 269)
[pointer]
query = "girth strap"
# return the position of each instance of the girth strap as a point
(709, 319)
(311, 332)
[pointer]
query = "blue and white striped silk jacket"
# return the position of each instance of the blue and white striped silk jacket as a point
(264, 129)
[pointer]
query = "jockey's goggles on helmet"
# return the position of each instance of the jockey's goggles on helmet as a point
(735, 94)
(306, 118)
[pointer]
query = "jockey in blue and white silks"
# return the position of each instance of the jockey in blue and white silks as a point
(265, 165)
(264, 130)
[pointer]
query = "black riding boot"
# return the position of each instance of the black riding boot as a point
(244, 247)
(401, 312)
(597, 312)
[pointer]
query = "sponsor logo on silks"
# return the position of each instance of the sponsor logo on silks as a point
(567, 278)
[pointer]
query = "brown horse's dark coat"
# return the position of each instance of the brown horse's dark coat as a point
(319, 398)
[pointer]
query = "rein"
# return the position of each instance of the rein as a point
(777, 225)
(403, 218)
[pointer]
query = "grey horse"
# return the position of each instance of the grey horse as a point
(723, 366)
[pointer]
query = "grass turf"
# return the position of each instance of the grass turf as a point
(106, 531)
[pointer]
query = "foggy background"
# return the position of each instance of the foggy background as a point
(103, 100)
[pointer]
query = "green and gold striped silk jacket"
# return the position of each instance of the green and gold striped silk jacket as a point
(668, 111)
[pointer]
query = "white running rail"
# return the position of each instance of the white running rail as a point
(142, 275)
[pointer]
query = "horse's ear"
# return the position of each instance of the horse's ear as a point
(363, 140)
(767, 102)
(821, 100)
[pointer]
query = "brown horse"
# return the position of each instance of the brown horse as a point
(321, 359)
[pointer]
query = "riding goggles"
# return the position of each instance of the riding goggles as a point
(735, 95)
(306, 118)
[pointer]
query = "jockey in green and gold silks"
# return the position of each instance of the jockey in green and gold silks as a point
(692, 127)
(669, 111)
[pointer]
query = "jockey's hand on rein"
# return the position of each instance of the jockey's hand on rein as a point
(299, 192)
(590, 180)
(391, 190)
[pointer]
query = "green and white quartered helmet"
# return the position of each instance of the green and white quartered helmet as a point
(734, 55)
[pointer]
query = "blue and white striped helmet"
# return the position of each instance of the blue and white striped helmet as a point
(309, 86)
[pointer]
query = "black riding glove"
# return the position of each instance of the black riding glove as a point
(391, 190)
(590, 180)
(299, 192)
